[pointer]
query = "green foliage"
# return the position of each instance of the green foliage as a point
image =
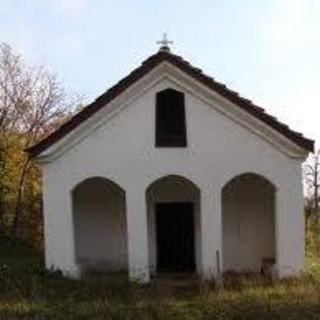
(30, 201)
(32, 104)
(312, 242)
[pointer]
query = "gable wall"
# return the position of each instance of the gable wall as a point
(218, 149)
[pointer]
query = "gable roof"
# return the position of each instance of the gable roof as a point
(193, 72)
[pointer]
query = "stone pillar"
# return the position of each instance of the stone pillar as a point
(138, 251)
(59, 230)
(210, 233)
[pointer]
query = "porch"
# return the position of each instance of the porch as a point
(175, 228)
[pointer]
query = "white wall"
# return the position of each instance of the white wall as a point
(100, 226)
(248, 217)
(219, 149)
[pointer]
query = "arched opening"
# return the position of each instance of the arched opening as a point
(100, 230)
(248, 218)
(173, 205)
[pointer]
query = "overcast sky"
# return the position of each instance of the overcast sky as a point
(267, 50)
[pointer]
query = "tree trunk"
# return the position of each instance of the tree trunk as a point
(2, 173)
(16, 224)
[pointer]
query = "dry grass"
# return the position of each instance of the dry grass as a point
(29, 292)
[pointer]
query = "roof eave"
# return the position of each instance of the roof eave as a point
(138, 73)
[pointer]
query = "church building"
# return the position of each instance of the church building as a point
(169, 172)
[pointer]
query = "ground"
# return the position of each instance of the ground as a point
(29, 292)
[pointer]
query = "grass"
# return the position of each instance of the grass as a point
(27, 291)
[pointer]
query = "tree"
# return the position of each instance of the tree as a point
(312, 208)
(32, 104)
(312, 181)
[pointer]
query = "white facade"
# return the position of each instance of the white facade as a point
(117, 144)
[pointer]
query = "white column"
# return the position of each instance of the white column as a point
(59, 231)
(289, 229)
(138, 252)
(210, 233)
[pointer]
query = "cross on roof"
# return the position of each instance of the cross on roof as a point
(164, 43)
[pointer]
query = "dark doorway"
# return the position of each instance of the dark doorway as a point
(175, 237)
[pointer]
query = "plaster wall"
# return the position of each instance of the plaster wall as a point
(123, 150)
(248, 218)
(100, 228)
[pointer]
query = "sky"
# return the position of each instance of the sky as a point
(269, 51)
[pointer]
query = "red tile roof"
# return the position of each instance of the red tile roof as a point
(195, 73)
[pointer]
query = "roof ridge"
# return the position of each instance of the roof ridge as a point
(196, 73)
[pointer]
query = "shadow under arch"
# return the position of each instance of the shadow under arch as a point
(100, 228)
(248, 224)
(173, 215)
(250, 175)
(178, 178)
(98, 179)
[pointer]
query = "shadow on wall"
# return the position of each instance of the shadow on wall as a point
(100, 229)
(248, 218)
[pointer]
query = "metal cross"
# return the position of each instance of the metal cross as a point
(164, 43)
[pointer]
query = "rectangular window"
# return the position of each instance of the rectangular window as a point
(170, 119)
